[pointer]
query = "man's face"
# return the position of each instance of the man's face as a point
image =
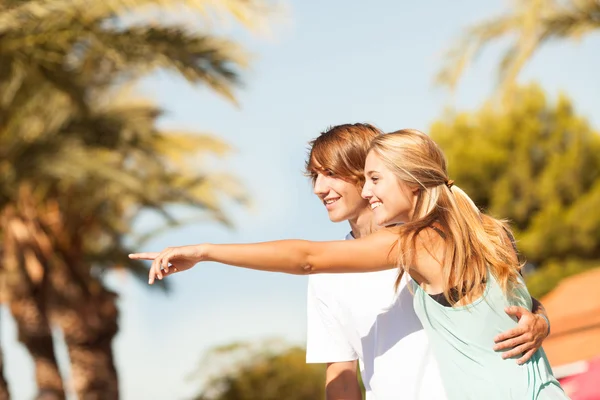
(341, 198)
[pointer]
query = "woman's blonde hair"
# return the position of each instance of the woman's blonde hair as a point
(342, 149)
(474, 241)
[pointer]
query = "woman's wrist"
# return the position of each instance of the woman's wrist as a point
(202, 251)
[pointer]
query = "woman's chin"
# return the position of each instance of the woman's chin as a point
(386, 221)
(381, 221)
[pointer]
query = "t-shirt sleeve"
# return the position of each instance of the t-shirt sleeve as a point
(325, 339)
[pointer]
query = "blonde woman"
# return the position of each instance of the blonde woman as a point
(361, 318)
(463, 267)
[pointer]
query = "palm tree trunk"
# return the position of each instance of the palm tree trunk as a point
(4, 394)
(83, 308)
(35, 334)
(89, 330)
(26, 298)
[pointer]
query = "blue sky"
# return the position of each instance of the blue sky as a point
(328, 63)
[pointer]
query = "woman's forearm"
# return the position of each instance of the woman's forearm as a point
(289, 256)
(302, 257)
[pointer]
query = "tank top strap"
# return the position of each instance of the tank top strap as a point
(511, 237)
(439, 231)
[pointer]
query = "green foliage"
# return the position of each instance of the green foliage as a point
(267, 371)
(537, 164)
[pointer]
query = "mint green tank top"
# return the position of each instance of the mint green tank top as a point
(462, 338)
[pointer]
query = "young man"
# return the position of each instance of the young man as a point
(360, 318)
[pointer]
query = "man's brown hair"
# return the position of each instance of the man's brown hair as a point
(342, 151)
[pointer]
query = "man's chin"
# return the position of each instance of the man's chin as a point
(334, 217)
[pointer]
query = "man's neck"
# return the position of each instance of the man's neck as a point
(363, 225)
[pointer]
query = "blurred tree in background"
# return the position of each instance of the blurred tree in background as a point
(537, 164)
(525, 159)
(81, 157)
(532, 24)
(268, 370)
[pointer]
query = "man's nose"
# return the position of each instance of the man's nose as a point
(320, 186)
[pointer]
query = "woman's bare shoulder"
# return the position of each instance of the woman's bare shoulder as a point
(430, 248)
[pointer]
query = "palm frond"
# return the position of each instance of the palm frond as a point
(533, 24)
(253, 14)
(199, 59)
(75, 43)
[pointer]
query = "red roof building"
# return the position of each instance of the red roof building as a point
(573, 346)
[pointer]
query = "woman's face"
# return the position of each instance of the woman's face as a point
(341, 198)
(391, 199)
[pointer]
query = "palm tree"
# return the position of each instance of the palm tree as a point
(532, 23)
(136, 172)
(80, 161)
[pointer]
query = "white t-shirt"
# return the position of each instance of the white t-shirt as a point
(360, 316)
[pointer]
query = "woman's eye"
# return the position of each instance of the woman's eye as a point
(374, 179)
(329, 172)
